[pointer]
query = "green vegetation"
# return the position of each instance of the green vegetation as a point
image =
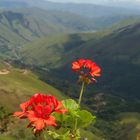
(117, 51)
(114, 99)
(131, 123)
(28, 24)
(19, 27)
(111, 48)
(15, 87)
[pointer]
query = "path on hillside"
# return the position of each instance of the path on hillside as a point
(4, 72)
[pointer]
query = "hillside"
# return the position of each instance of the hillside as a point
(25, 25)
(94, 14)
(16, 86)
(116, 47)
(28, 24)
(90, 10)
(115, 98)
(58, 45)
(118, 54)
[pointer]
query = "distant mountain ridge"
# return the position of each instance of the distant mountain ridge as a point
(20, 26)
(98, 18)
(90, 10)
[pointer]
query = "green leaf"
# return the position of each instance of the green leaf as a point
(70, 104)
(85, 118)
(65, 136)
(53, 134)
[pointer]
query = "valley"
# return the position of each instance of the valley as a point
(37, 47)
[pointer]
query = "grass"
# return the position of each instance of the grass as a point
(131, 120)
(17, 87)
(6, 138)
(90, 135)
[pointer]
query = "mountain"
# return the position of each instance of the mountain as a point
(117, 51)
(115, 99)
(32, 23)
(122, 3)
(18, 85)
(92, 17)
(47, 47)
(116, 94)
(90, 10)
(25, 25)
(46, 42)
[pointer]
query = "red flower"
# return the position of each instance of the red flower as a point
(38, 110)
(88, 69)
(23, 114)
(76, 65)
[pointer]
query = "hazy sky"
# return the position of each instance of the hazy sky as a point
(95, 1)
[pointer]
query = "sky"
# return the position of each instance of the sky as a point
(96, 1)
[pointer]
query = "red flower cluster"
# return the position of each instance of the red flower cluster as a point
(87, 69)
(38, 110)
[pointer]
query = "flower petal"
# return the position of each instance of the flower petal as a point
(75, 66)
(61, 111)
(24, 105)
(21, 115)
(39, 124)
(32, 116)
(50, 121)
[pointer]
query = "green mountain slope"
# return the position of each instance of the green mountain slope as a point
(49, 50)
(29, 24)
(100, 18)
(16, 86)
(117, 51)
(20, 26)
(20, 84)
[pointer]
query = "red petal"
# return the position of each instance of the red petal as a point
(81, 62)
(61, 111)
(32, 116)
(75, 66)
(88, 63)
(39, 124)
(47, 109)
(50, 121)
(21, 115)
(24, 105)
(58, 106)
(95, 71)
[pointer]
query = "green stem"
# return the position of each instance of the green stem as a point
(79, 102)
(81, 93)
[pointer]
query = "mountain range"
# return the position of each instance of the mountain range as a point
(110, 48)
(25, 25)
(90, 10)
(115, 49)
(37, 47)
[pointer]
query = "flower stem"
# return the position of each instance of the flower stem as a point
(81, 93)
(79, 102)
